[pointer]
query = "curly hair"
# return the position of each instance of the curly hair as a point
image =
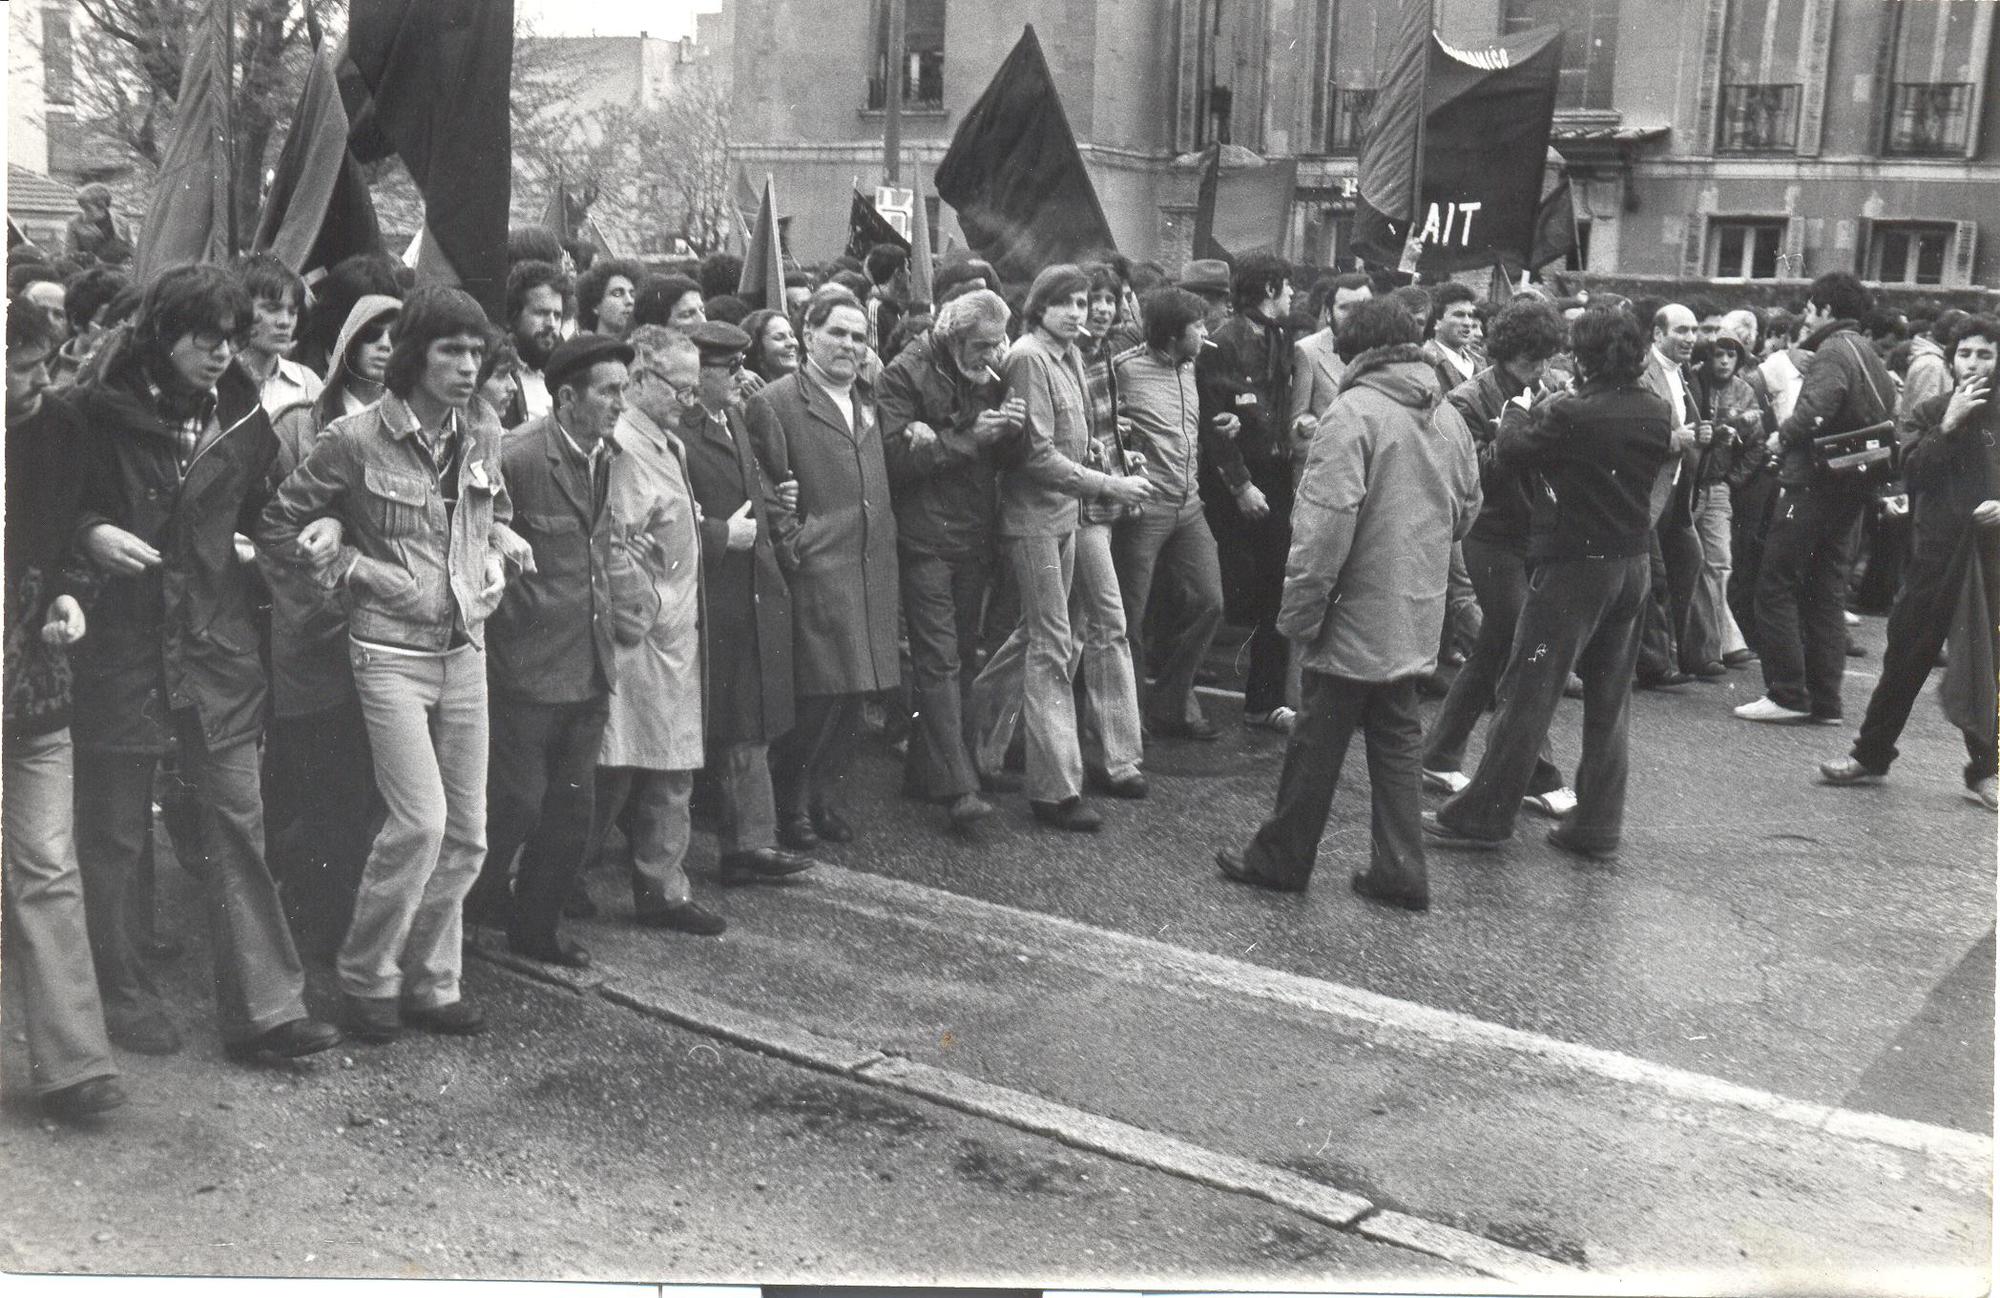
(1257, 276)
(1524, 329)
(1378, 322)
(1610, 345)
(590, 288)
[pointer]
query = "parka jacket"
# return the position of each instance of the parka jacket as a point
(946, 495)
(1846, 387)
(182, 635)
(1390, 482)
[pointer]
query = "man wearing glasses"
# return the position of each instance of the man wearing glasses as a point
(172, 660)
(653, 730)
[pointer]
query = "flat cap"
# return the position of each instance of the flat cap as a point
(574, 355)
(1205, 275)
(719, 342)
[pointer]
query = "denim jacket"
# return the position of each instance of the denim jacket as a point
(413, 573)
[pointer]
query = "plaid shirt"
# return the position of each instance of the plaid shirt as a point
(189, 433)
(1107, 445)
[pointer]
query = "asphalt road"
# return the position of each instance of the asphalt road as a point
(1760, 1045)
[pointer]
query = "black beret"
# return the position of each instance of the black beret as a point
(574, 355)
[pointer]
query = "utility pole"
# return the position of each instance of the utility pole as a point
(892, 104)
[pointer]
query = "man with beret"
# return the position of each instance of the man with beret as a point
(747, 533)
(551, 662)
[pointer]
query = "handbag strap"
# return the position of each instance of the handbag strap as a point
(1884, 408)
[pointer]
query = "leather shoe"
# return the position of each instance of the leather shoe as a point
(293, 1040)
(1365, 885)
(764, 865)
(683, 917)
(83, 1100)
(967, 810)
(1564, 843)
(1710, 671)
(1069, 814)
(376, 1020)
(1438, 834)
(143, 1034)
(797, 833)
(1739, 658)
(831, 826)
(1670, 681)
(1235, 869)
(556, 951)
(457, 1019)
(1200, 731)
(1131, 787)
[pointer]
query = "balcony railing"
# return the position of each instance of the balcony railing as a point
(923, 83)
(1347, 120)
(1759, 119)
(1929, 118)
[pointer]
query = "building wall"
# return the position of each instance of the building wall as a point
(27, 126)
(1132, 74)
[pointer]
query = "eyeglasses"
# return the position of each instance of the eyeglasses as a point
(211, 342)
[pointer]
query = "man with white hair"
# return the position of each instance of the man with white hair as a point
(943, 423)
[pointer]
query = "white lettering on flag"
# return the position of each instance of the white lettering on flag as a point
(1493, 58)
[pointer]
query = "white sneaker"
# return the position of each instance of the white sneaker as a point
(1445, 781)
(1766, 709)
(1556, 803)
(1278, 719)
(1853, 619)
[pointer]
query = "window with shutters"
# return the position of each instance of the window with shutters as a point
(1590, 44)
(1763, 76)
(1909, 252)
(920, 63)
(1934, 82)
(1745, 248)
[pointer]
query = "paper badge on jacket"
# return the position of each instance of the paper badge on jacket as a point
(475, 476)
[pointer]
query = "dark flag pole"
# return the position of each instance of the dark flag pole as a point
(1204, 245)
(1390, 173)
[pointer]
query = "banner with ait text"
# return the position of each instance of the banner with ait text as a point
(1485, 139)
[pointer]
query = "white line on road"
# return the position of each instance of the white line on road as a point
(1142, 959)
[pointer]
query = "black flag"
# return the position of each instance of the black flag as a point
(318, 210)
(1485, 137)
(867, 227)
(1015, 178)
(428, 80)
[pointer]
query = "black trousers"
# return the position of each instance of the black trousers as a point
(809, 764)
(1667, 641)
(540, 788)
(1918, 626)
(944, 596)
(1331, 710)
(321, 813)
(1499, 575)
(1252, 553)
(1750, 518)
(1802, 595)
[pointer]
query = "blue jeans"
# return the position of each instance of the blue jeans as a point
(48, 943)
(427, 732)
(1582, 615)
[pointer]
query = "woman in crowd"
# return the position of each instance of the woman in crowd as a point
(774, 348)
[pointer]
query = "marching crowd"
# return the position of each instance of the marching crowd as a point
(405, 616)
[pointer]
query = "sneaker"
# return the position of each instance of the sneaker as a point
(1845, 771)
(1445, 781)
(1280, 720)
(1851, 617)
(1768, 709)
(1556, 803)
(1573, 687)
(1984, 793)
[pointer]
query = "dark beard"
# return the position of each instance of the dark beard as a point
(533, 351)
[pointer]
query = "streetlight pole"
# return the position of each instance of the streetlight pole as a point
(892, 105)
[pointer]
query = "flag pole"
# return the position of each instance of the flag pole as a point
(1413, 245)
(229, 122)
(892, 95)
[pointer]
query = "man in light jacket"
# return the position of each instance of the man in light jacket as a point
(1390, 483)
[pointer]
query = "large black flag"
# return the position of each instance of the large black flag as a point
(1484, 138)
(428, 80)
(1245, 209)
(1015, 178)
(867, 227)
(318, 210)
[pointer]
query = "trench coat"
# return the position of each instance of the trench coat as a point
(747, 640)
(654, 721)
(845, 613)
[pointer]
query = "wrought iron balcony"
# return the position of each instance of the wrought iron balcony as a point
(1929, 118)
(1759, 119)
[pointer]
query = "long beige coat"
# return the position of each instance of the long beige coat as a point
(655, 720)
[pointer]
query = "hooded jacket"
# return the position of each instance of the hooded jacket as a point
(1390, 482)
(180, 636)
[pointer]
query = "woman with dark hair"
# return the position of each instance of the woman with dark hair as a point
(350, 280)
(774, 348)
(415, 482)
(671, 300)
(1593, 457)
(1032, 677)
